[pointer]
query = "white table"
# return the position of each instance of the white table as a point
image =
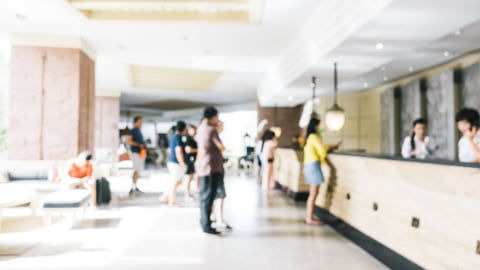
(15, 197)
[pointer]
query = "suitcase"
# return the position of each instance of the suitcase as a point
(104, 195)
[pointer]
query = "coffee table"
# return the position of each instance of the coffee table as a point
(15, 197)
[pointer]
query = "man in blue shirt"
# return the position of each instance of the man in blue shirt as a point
(137, 151)
(176, 162)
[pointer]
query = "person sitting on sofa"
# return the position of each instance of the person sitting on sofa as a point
(80, 174)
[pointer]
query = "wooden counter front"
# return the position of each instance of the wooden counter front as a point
(427, 212)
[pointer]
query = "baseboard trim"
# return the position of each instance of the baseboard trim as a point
(296, 196)
(387, 256)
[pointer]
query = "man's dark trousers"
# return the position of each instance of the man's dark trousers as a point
(208, 190)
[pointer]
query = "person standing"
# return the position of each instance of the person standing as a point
(137, 151)
(468, 123)
(220, 195)
(269, 144)
(418, 145)
(209, 165)
(176, 163)
(315, 153)
(191, 148)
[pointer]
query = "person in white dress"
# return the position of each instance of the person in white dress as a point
(468, 122)
(419, 145)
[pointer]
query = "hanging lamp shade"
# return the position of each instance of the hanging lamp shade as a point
(335, 115)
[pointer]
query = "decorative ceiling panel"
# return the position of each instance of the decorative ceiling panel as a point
(172, 78)
(180, 10)
(169, 105)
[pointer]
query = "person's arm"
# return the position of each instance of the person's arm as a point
(131, 142)
(476, 149)
(216, 140)
(406, 148)
(179, 155)
(321, 148)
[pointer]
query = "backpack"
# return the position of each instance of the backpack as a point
(104, 195)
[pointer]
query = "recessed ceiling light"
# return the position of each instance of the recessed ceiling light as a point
(290, 98)
(384, 68)
(379, 46)
(458, 32)
(447, 53)
(411, 69)
(365, 84)
(20, 16)
(385, 78)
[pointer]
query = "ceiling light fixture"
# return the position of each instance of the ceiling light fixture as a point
(458, 32)
(411, 69)
(385, 78)
(290, 98)
(379, 46)
(447, 53)
(365, 84)
(384, 68)
(335, 116)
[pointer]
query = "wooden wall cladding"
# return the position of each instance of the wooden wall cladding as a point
(288, 169)
(428, 213)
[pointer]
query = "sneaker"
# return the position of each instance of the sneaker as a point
(223, 226)
(134, 190)
(211, 231)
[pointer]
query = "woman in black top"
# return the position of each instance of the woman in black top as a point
(191, 150)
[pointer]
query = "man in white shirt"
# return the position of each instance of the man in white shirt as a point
(468, 122)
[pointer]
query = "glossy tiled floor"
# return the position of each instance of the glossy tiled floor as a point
(141, 233)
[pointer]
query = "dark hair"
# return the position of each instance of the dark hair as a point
(314, 122)
(267, 135)
(469, 115)
(210, 112)
(421, 121)
(181, 126)
(418, 121)
(136, 118)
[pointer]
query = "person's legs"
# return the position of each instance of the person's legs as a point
(172, 196)
(208, 187)
(190, 177)
(138, 165)
(267, 172)
(218, 208)
(312, 197)
(176, 173)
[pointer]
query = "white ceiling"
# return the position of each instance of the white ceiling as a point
(273, 59)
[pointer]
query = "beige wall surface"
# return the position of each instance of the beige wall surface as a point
(362, 122)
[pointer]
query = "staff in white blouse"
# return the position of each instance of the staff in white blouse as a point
(468, 122)
(418, 145)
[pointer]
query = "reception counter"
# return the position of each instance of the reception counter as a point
(426, 211)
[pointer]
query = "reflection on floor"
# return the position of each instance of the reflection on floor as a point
(141, 233)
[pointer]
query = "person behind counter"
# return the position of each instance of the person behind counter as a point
(315, 153)
(418, 145)
(468, 122)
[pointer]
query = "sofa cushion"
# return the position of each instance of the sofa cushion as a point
(71, 198)
(17, 175)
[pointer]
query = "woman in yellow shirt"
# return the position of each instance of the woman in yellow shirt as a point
(315, 153)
